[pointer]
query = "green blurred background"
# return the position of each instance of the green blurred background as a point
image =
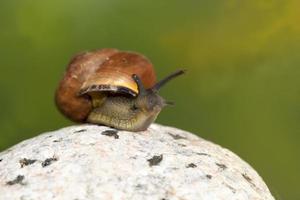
(242, 86)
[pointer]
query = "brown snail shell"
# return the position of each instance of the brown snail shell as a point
(115, 74)
(97, 71)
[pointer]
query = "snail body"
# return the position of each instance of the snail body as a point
(113, 88)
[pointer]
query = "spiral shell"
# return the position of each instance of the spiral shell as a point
(115, 74)
(106, 70)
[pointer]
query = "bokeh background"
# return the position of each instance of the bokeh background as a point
(242, 86)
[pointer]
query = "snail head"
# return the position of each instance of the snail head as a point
(149, 99)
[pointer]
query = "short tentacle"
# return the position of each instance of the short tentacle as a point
(139, 83)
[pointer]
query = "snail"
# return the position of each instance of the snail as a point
(113, 88)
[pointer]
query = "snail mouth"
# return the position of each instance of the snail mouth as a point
(157, 108)
(107, 88)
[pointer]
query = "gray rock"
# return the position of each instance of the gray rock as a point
(96, 162)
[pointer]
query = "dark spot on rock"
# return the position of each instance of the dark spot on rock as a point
(79, 131)
(133, 157)
(49, 136)
(112, 133)
(23, 145)
(248, 179)
(1, 159)
(155, 160)
(208, 176)
(48, 161)
(233, 190)
(176, 137)
(183, 145)
(24, 162)
(191, 165)
(18, 180)
(221, 166)
(139, 186)
(203, 154)
(162, 140)
(36, 150)
(58, 140)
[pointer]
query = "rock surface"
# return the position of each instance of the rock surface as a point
(96, 162)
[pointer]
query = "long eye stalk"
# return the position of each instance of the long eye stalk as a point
(162, 82)
(157, 86)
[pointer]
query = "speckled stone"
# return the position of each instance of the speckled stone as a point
(96, 162)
